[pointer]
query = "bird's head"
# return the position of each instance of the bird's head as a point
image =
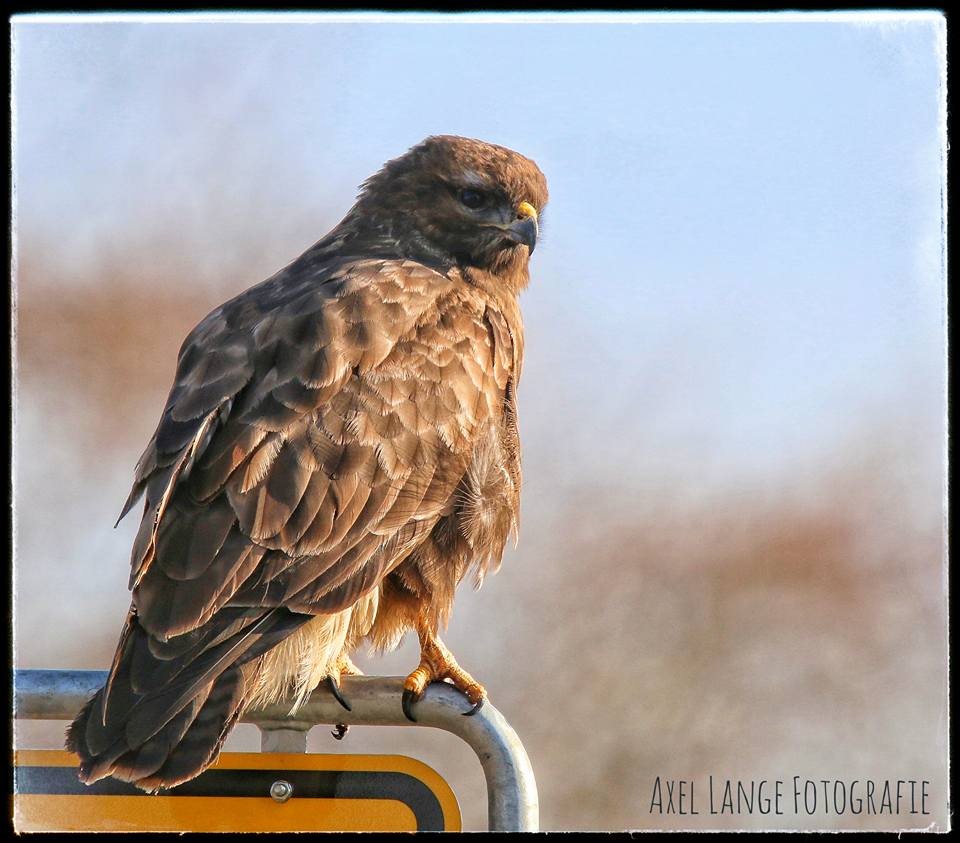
(458, 201)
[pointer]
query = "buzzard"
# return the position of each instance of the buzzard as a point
(339, 449)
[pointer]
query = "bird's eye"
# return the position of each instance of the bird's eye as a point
(473, 199)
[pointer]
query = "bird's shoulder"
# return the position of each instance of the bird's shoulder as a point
(311, 326)
(344, 288)
(334, 339)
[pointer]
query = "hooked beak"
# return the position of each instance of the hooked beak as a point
(524, 228)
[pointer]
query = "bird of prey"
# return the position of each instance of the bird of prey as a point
(338, 450)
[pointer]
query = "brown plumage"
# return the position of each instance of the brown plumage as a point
(338, 450)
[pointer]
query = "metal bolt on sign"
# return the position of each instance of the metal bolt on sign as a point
(281, 791)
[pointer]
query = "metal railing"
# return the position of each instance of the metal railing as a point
(512, 802)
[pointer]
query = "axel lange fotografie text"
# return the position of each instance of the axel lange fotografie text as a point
(797, 796)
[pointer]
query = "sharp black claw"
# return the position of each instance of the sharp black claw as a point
(335, 690)
(476, 708)
(407, 703)
(340, 730)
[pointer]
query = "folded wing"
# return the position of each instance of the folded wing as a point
(315, 433)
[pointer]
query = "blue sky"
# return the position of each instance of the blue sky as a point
(743, 239)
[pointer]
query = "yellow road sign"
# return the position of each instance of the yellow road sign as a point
(310, 793)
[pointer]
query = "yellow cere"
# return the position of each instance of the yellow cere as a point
(525, 209)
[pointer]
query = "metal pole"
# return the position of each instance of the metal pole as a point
(512, 802)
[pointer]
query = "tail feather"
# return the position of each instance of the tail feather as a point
(199, 745)
(156, 664)
(166, 719)
(154, 753)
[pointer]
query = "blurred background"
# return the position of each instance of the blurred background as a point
(732, 553)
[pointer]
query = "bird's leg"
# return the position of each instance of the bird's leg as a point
(436, 664)
(344, 667)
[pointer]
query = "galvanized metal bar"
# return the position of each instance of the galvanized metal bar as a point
(274, 738)
(512, 801)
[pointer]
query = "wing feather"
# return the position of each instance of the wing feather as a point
(350, 415)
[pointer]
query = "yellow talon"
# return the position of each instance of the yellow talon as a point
(437, 664)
